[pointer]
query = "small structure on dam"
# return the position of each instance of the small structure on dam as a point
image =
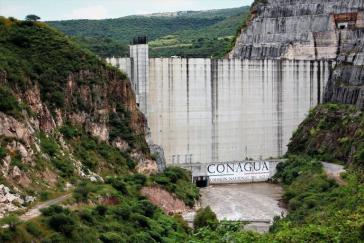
(204, 174)
(204, 110)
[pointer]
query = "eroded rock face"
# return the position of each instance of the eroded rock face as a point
(346, 85)
(311, 30)
(9, 201)
(145, 165)
(161, 198)
(297, 29)
(87, 106)
(121, 144)
(11, 128)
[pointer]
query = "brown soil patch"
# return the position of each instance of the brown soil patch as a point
(161, 198)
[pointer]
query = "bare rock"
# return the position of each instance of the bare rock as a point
(99, 131)
(46, 122)
(9, 202)
(161, 198)
(121, 144)
(11, 128)
(301, 29)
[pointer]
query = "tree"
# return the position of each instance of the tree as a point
(32, 17)
(205, 217)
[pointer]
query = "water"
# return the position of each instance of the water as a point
(256, 203)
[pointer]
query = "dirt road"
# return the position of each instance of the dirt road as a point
(35, 212)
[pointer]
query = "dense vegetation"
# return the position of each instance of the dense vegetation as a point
(205, 217)
(108, 210)
(320, 210)
(178, 182)
(121, 215)
(114, 211)
(190, 34)
(332, 132)
(32, 50)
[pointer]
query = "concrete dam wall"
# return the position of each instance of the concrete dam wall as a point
(206, 110)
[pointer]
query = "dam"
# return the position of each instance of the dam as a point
(203, 110)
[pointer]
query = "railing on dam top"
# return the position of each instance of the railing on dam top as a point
(232, 172)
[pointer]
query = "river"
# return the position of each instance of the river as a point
(256, 203)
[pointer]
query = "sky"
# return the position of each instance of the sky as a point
(101, 9)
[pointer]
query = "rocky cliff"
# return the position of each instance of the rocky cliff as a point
(346, 85)
(311, 30)
(299, 29)
(64, 114)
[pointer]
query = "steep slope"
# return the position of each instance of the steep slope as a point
(332, 132)
(212, 41)
(70, 131)
(300, 29)
(50, 87)
(346, 85)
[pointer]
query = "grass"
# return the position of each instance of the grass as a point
(178, 182)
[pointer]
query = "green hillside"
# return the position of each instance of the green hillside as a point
(191, 33)
(48, 84)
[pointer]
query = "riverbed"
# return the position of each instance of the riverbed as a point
(256, 203)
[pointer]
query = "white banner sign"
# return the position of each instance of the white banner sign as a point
(231, 172)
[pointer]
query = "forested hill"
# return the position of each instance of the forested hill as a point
(190, 33)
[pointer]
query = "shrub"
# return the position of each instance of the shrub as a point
(140, 220)
(62, 223)
(52, 210)
(146, 208)
(111, 237)
(87, 217)
(83, 191)
(2, 153)
(16, 161)
(12, 221)
(69, 132)
(120, 185)
(101, 210)
(131, 164)
(122, 212)
(142, 237)
(177, 181)
(9, 104)
(48, 145)
(205, 217)
(44, 195)
(65, 166)
(33, 229)
(57, 98)
(138, 179)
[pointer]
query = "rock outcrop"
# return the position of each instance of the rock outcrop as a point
(161, 198)
(311, 30)
(299, 29)
(63, 113)
(9, 201)
(346, 85)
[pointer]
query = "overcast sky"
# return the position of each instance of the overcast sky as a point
(101, 9)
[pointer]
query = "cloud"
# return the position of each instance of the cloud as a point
(92, 12)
